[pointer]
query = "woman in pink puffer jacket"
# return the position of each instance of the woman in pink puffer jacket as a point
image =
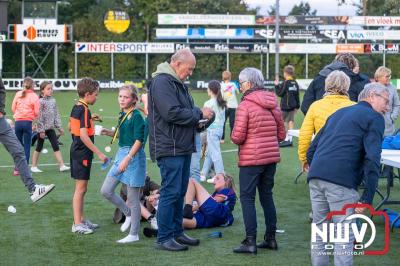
(258, 130)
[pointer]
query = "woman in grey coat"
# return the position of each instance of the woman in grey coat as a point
(383, 75)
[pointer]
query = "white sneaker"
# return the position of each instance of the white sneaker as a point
(41, 191)
(129, 239)
(81, 229)
(90, 224)
(210, 180)
(153, 223)
(64, 168)
(126, 224)
(34, 169)
(202, 178)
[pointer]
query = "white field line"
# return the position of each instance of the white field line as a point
(95, 162)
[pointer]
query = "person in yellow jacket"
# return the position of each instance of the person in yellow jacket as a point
(336, 96)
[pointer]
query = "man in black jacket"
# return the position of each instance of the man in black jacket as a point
(173, 119)
(14, 147)
(345, 62)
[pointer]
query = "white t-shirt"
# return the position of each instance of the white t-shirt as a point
(229, 91)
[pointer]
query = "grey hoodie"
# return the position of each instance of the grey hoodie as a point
(165, 68)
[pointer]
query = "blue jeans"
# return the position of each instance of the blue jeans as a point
(23, 130)
(213, 152)
(196, 156)
(175, 172)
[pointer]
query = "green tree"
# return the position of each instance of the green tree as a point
(302, 9)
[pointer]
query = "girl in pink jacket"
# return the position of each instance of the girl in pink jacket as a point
(25, 107)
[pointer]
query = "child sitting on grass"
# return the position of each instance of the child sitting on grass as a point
(211, 210)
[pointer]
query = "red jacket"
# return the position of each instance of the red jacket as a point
(258, 129)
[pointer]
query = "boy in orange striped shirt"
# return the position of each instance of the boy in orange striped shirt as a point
(82, 149)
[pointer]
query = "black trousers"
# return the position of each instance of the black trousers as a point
(52, 136)
(261, 177)
(229, 113)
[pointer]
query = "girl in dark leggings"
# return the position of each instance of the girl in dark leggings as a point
(48, 121)
(25, 107)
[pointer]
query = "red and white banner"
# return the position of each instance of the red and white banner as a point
(374, 21)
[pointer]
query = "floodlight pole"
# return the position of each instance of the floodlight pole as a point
(1, 59)
(56, 48)
(23, 44)
(277, 40)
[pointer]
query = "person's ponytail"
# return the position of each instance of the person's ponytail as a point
(28, 84)
(215, 87)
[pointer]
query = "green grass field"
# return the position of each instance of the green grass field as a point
(40, 234)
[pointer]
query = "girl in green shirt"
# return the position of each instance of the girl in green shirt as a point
(130, 162)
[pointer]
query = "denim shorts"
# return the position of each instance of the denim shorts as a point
(135, 173)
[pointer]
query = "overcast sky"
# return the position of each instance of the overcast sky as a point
(323, 7)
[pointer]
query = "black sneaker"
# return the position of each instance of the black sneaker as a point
(285, 143)
(150, 232)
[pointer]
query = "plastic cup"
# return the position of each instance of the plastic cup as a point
(216, 234)
(98, 129)
(106, 164)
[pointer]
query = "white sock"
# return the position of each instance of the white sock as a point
(287, 137)
(290, 138)
(129, 239)
(126, 224)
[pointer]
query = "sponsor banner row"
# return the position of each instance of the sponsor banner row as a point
(287, 34)
(40, 33)
(70, 84)
(127, 47)
(284, 48)
(204, 33)
(216, 19)
(224, 48)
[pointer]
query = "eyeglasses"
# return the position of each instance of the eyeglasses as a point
(241, 83)
(386, 99)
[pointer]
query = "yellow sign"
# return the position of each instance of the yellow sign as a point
(116, 21)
